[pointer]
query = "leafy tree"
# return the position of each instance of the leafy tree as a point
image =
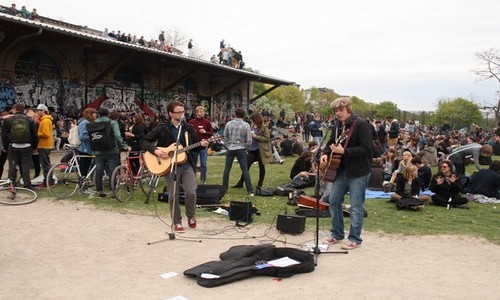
(458, 113)
(272, 105)
(386, 108)
(360, 106)
(290, 95)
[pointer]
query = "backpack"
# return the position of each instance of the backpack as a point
(101, 136)
(20, 130)
(73, 137)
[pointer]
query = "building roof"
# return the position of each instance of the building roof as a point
(82, 32)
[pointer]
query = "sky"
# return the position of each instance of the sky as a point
(412, 53)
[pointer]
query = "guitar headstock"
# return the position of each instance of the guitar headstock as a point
(342, 137)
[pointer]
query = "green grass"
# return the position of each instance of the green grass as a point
(482, 220)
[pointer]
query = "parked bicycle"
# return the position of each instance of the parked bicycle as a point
(124, 181)
(68, 177)
(12, 195)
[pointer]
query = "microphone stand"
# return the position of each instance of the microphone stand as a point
(316, 159)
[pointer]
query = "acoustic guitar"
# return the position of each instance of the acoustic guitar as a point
(161, 165)
(334, 161)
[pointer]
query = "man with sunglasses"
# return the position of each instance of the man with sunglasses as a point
(166, 135)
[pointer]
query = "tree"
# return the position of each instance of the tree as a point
(386, 108)
(458, 113)
(490, 68)
(289, 94)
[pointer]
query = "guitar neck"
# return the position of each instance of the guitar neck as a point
(187, 148)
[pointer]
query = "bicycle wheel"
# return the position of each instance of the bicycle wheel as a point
(145, 179)
(66, 180)
(122, 184)
(18, 196)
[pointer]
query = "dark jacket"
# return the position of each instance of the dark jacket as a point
(139, 132)
(163, 134)
(485, 182)
(445, 190)
(400, 186)
(357, 159)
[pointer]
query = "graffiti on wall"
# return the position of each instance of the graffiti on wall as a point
(68, 97)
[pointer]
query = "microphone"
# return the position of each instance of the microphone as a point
(183, 120)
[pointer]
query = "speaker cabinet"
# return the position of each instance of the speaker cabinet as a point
(240, 211)
(293, 224)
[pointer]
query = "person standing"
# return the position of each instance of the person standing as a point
(133, 135)
(393, 131)
(19, 138)
(45, 141)
(353, 171)
(107, 160)
(260, 150)
(204, 131)
(460, 155)
(166, 134)
(315, 129)
(89, 115)
(190, 48)
(237, 138)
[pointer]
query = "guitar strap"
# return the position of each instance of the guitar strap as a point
(351, 129)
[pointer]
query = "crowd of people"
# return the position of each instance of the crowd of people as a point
(360, 146)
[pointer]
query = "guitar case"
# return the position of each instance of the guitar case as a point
(245, 261)
(206, 194)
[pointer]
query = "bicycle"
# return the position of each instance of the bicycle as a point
(124, 181)
(68, 177)
(12, 195)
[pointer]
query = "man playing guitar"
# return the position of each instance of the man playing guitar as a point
(353, 171)
(166, 134)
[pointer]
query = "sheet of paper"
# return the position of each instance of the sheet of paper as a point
(168, 275)
(283, 262)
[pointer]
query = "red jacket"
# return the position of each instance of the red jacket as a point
(200, 123)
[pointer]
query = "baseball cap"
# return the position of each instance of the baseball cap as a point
(42, 107)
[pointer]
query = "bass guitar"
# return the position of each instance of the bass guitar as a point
(334, 161)
(161, 165)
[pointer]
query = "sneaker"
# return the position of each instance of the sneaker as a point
(251, 194)
(281, 162)
(192, 222)
(331, 240)
(178, 228)
(350, 245)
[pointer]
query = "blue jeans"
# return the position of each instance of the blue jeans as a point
(241, 156)
(104, 162)
(203, 154)
(356, 188)
(318, 139)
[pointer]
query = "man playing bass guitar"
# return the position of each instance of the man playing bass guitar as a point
(166, 135)
(353, 171)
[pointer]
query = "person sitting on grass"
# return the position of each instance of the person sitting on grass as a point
(447, 188)
(408, 185)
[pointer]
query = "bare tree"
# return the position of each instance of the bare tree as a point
(490, 68)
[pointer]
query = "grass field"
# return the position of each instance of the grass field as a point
(482, 220)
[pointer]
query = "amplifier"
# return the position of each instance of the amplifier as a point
(240, 211)
(293, 224)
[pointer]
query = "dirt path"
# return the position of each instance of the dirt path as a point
(69, 250)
